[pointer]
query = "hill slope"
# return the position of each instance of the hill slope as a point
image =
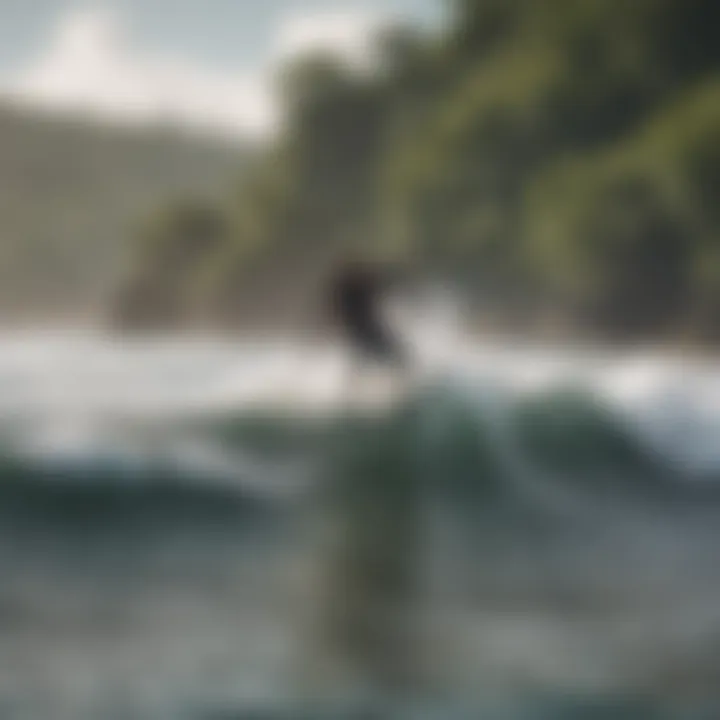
(71, 194)
(558, 157)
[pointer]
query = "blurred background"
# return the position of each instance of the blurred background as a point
(196, 523)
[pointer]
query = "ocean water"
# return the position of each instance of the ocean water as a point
(205, 529)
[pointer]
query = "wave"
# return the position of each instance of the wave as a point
(559, 450)
(517, 469)
(117, 497)
(490, 445)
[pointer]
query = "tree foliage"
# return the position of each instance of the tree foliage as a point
(559, 157)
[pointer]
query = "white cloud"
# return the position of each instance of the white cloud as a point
(347, 33)
(89, 66)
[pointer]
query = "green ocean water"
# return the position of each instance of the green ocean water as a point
(486, 555)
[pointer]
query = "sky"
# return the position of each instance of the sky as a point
(200, 63)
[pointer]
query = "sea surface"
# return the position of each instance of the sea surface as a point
(543, 522)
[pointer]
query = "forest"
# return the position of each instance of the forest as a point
(557, 159)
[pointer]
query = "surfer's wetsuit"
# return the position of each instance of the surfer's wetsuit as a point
(356, 297)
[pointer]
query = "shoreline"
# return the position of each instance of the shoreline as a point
(492, 338)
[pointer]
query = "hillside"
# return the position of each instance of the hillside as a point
(559, 158)
(72, 195)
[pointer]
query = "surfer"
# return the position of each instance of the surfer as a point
(357, 291)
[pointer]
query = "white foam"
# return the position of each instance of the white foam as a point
(80, 380)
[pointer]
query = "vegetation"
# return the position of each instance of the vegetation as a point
(559, 157)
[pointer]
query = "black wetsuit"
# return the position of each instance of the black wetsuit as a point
(356, 296)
